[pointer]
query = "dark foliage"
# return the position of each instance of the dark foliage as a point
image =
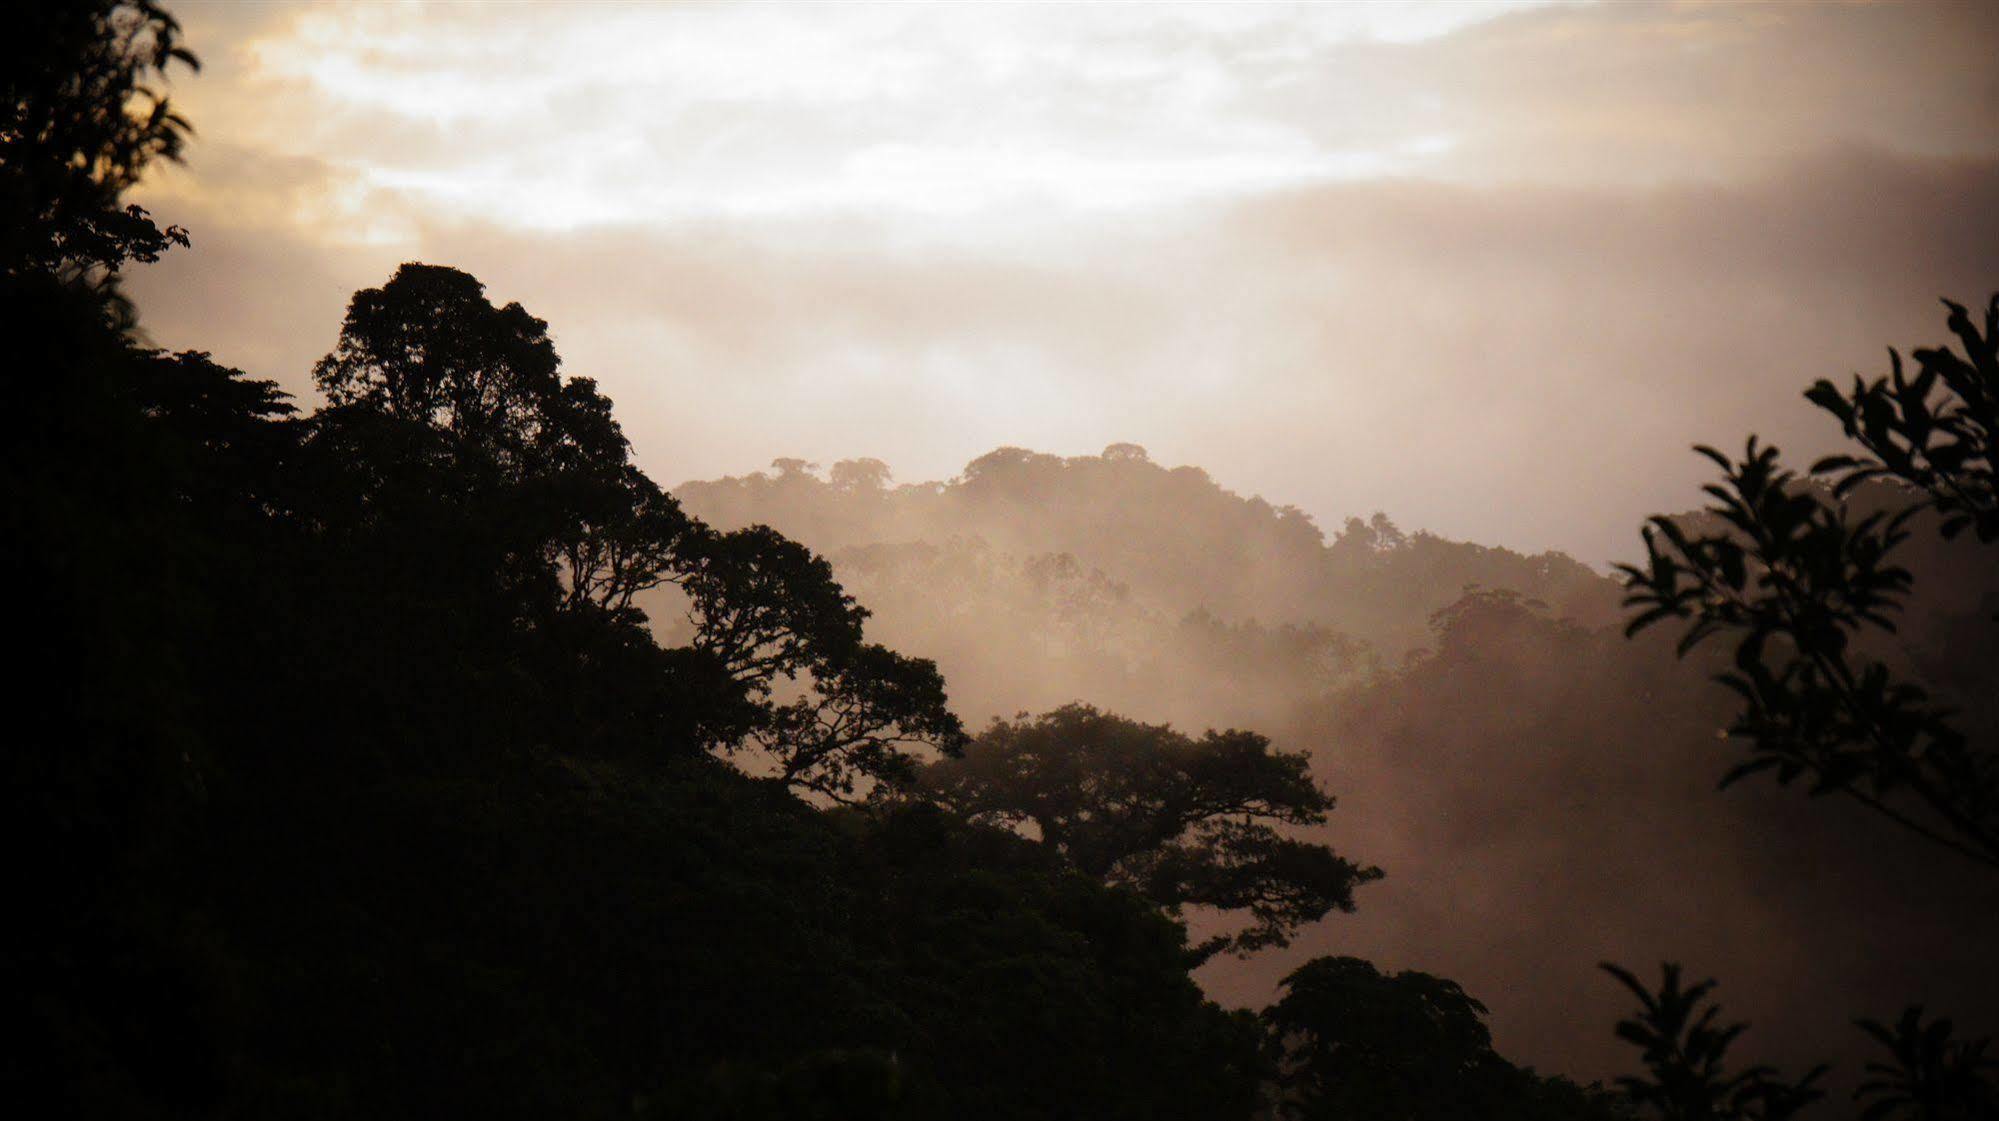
(1930, 1076)
(1809, 588)
(1685, 1053)
(350, 780)
(1937, 432)
(84, 114)
(1185, 822)
(357, 773)
(1800, 582)
(393, 824)
(1353, 1042)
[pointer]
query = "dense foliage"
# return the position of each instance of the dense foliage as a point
(1539, 789)
(358, 785)
(1354, 1042)
(1163, 541)
(420, 756)
(1184, 822)
(1809, 581)
(1801, 580)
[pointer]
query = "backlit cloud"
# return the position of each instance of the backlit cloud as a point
(1490, 267)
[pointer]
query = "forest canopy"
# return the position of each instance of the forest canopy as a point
(413, 753)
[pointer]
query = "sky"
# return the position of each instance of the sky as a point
(1491, 268)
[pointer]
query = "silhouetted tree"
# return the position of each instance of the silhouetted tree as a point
(1185, 822)
(1352, 1042)
(1685, 1052)
(351, 782)
(765, 606)
(540, 459)
(82, 115)
(1799, 581)
(864, 707)
(429, 347)
(1806, 587)
(1356, 1043)
(104, 520)
(769, 611)
(1937, 432)
(1931, 1076)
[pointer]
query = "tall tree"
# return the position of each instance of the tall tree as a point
(1184, 821)
(836, 713)
(1353, 1042)
(429, 347)
(544, 470)
(83, 113)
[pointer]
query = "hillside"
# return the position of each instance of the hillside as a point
(1540, 789)
(1035, 579)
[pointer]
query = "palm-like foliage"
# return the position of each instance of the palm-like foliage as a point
(1685, 1049)
(1932, 1077)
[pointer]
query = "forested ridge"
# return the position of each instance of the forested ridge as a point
(1482, 714)
(418, 755)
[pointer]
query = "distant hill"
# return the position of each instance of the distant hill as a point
(1539, 789)
(1034, 579)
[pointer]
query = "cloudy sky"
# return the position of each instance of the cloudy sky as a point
(1488, 267)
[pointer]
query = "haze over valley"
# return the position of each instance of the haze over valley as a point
(1411, 561)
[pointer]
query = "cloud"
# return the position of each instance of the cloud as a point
(1492, 276)
(564, 116)
(1523, 365)
(1661, 92)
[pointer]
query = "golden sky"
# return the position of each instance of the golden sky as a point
(1489, 267)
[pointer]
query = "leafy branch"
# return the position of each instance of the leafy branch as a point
(1685, 1054)
(1782, 565)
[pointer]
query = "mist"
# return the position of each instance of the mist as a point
(1003, 561)
(1666, 234)
(1513, 761)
